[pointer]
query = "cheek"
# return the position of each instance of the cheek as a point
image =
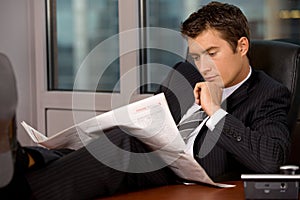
(228, 67)
(197, 63)
(225, 75)
(229, 76)
(221, 69)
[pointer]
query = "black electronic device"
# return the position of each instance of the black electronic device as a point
(272, 186)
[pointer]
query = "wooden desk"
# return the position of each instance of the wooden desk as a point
(191, 192)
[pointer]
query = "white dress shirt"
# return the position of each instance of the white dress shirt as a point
(209, 121)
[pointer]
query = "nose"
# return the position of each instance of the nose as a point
(204, 65)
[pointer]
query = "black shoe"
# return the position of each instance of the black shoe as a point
(8, 104)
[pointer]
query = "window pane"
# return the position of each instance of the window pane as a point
(268, 19)
(167, 14)
(77, 31)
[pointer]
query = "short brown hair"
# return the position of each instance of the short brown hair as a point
(225, 18)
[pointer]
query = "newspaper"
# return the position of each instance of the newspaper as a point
(149, 120)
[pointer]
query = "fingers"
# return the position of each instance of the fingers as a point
(197, 92)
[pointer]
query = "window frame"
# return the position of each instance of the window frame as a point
(63, 100)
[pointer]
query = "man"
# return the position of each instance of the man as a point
(252, 133)
(245, 129)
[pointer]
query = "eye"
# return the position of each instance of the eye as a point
(212, 53)
(195, 57)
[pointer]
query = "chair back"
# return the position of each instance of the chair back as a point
(281, 61)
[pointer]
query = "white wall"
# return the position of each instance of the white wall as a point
(16, 43)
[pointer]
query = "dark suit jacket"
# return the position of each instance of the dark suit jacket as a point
(252, 138)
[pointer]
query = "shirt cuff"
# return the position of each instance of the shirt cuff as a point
(215, 118)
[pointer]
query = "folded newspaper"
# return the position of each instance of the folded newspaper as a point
(149, 120)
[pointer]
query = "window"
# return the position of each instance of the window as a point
(79, 28)
(76, 30)
(268, 19)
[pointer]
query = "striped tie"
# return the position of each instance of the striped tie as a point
(187, 126)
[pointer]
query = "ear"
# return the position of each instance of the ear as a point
(243, 45)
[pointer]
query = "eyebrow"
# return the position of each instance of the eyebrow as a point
(206, 50)
(194, 54)
(210, 48)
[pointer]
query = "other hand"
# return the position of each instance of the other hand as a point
(209, 96)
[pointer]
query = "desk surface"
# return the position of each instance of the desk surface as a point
(192, 192)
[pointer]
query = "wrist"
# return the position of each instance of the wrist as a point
(215, 118)
(213, 110)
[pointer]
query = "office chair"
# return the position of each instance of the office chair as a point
(281, 60)
(8, 103)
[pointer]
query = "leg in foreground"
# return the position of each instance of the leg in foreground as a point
(105, 167)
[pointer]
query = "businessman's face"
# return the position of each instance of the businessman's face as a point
(216, 60)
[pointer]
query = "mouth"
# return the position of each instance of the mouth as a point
(210, 78)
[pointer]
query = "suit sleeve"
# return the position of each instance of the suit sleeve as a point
(261, 142)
